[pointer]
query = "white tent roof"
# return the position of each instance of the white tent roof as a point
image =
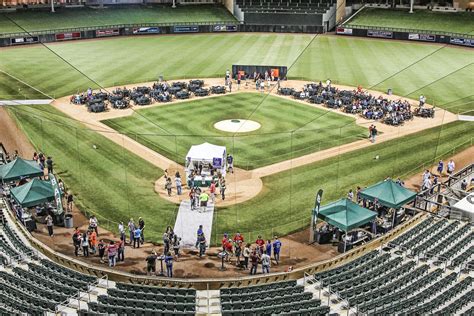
(206, 151)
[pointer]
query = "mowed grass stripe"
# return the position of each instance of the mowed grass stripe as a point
(276, 208)
(271, 143)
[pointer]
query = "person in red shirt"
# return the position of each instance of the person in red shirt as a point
(212, 190)
(238, 238)
(224, 241)
(260, 244)
(229, 248)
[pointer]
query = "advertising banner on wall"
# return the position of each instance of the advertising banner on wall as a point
(24, 40)
(462, 41)
(146, 30)
(225, 28)
(68, 36)
(107, 32)
(186, 29)
(342, 30)
(381, 34)
(421, 37)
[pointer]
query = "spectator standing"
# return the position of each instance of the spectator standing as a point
(49, 165)
(176, 246)
(265, 263)
(70, 200)
(76, 240)
(358, 196)
(131, 229)
(136, 237)
(85, 245)
(202, 245)
(168, 186)
(151, 263)
(112, 252)
(373, 134)
(276, 249)
(212, 191)
(268, 247)
(121, 229)
(230, 163)
(239, 239)
(253, 262)
(464, 185)
(169, 265)
(49, 225)
(92, 241)
(350, 195)
(260, 245)
(93, 223)
(238, 253)
(141, 224)
(166, 242)
(101, 246)
(203, 198)
(222, 187)
(451, 167)
(199, 232)
(229, 249)
(179, 185)
(121, 250)
(246, 254)
(440, 167)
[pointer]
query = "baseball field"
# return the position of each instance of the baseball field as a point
(115, 183)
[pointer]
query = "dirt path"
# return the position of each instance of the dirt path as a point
(12, 137)
(244, 185)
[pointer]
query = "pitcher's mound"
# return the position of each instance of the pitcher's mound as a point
(237, 126)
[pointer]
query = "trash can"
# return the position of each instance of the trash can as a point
(68, 221)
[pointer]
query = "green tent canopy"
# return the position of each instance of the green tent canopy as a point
(33, 193)
(345, 214)
(388, 193)
(20, 168)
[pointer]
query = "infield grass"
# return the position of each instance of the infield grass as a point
(442, 74)
(288, 129)
(452, 22)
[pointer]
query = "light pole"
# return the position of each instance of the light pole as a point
(52, 6)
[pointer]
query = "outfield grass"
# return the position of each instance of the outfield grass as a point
(455, 22)
(86, 17)
(289, 129)
(286, 202)
(442, 74)
(109, 180)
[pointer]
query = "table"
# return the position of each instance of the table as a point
(200, 181)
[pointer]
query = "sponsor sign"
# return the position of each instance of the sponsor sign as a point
(57, 193)
(341, 30)
(421, 37)
(381, 34)
(217, 162)
(68, 36)
(107, 32)
(225, 28)
(24, 40)
(186, 29)
(146, 30)
(462, 41)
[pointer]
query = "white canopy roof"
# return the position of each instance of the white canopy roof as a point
(206, 152)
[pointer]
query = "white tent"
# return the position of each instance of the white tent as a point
(205, 154)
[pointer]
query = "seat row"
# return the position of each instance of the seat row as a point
(291, 290)
(321, 276)
(269, 301)
(122, 310)
(433, 240)
(154, 289)
(67, 272)
(433, 229)
(258, 288)
(300, 307)
(155, 297)
(449, 241)
(400, 240)
(144, 304)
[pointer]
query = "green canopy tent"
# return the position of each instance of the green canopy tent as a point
(20, 168)
(33, 193)
(346, 215)
(388, 193)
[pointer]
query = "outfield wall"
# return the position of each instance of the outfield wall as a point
(408, 35)
(59, 35)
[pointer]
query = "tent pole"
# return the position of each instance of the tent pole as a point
(393, 221)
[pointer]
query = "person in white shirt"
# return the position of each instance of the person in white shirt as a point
(121, 229)
(265, 263)
(451, 167)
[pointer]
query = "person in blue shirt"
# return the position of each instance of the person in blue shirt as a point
(276, 249)
(169, 265)
(199, 233)
(440, 167)
(268, 248)
(230, 163)
(137, 234)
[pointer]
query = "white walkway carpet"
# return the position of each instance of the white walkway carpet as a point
(187, 223)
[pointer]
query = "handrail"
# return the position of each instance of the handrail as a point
(407, 30)
(114, 26)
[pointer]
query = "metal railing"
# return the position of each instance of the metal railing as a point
(114, 26)
(406, 30)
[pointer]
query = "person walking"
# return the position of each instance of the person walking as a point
(268, 247)
(192, 199)
(451, 167)
(93, 224)
(85, 245)
(199, 232)
(168, 186)
(131, 229)
(265, 258)
(151, 263)
(212, 191)
(350, 195)
(112, 252)
(49, 225)
(203, 198)
(230, 163)
(179, 185)
(136, 237)
(49, 165)
(253, 262)
(141, 224)
(276, 249)
(440, 167)
(169, 265)
(70, 200)
(373, 134)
